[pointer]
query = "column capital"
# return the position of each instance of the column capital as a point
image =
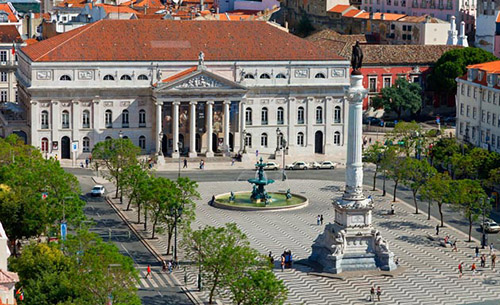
(176, 103)
(159, 103)
(193, 103)
(226, 102)
(210, 102)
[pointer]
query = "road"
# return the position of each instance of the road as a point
(155, 290)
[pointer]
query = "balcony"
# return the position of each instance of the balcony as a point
(11, 64)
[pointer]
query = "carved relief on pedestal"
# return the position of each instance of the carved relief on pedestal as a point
(65, 104)
(338, 72)
(44, 104)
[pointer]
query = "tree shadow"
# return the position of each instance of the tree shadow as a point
(330, 188)
(403, 224)
(418, 240)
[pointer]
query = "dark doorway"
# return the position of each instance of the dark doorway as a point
(215, 143)
(231, 142)
(318, 142)
(198, 143)
(181, 140)
(65, 148)
(164, 145)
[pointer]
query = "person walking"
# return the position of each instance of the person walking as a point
(473, 268)
(271, 258)
(212, 201)
(170, 266)
(87, 162)
(483, 260)
(318, 220)
(493, 261)
(232, 161)
(491, 249)
(477, 251)
(454, 245)
(460, 269)
(392, 208)
(321, 219)
(185, 163)
(149, 271)
(437, 229)
(372, 294)
(282, 262)
(379, 293)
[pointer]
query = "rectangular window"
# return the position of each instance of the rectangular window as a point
(373, 84)
(493, 138)
(462, 89)
(474, 112)
(387, 82)
(404, 27)
(408, 37)
(493, 119)
(489, 96)
(3, 77)
(488, 116)
(468, 111)
(461, 130)
(409, 28)
(461, 109)
(404, 36)
(3, 96)
(483, 115)
(468, 90)
(475, 92)
(3, 56)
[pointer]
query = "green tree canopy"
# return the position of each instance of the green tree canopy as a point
(374, 154)
(453, 64)
(258, 287)
(400, 97)
(416, 173)
(437, 189)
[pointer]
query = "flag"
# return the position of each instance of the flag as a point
(13, 48)
(20, 294)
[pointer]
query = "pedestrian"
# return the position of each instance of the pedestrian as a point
(271, 258)
(370, 141)
(81, 164)
(493, 261)
(212, 201)
(379, 292)
(232, 161)
(90, 159)
(372, 294)
(185, 163)
(446, 240)
(477, 251)
(149, 271)
(87, 162)
(318, 220)
(282, 262)
(460, 269)
(437, 229)
(56, 157)
(483, 260)
(201, 164)
(170, 265)
(321, 219)
(491, 248)
(473, 268)
(163, 266)
(454, 245)
(392, 208)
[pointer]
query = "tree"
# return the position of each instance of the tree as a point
(416, 173)
(437, 189)
(400, 97)
(409, 134)
(258, 287)
(116, 154)
(223, 254)
(393, 164)
(465, 198)
(453, 64)
(443, 149)
(160, 200)
(133, 179)
(373, 154)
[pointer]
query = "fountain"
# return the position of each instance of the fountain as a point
(259, 198)
(259, 194)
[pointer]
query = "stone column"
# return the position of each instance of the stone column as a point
(76, 122)
(35, 117)
(55, 124)
(328, 119)
(175, 130)
(354, 164)
(159, 132)
(226, 104)
(291, 136)
(209, 117)
(242, 125)
(310, 121)
(192, 130)
(96, 123)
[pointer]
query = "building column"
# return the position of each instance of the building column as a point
(96, 117)
(290, 122)
(209, 117)
(226, 104)
(242, 125)
(328, 131)
(192, 130)
(35, 117)
(175, 131)
(55, 125)
(158, 130)
(310, 141)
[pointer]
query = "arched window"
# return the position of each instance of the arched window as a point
(300, 115)
(65, 77)
(264, 116)
(125, 137)
(142, 142)
(109, 77)
(86, 144)
(263, 140)
(249, 76)
(248, 116)
(125, 118)
(45, 145)
(86, 119)
(265, 76)
(44, 122)
(319, 75)
(281, 75)
(319, 115)
(125, 77)
(65, 119)
(142, 77)
(337, 114)
(300, 139)
(142, 118)
(109, 118)
(248, 140)
(108, 138)
(281, 116)
(336, 138)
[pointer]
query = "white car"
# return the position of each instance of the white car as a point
(297, 165)
(324, 165)
(490, 226)
(98, 190)
(271, 166)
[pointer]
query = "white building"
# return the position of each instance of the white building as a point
(8, 279)
(478, 106)
(145, 79)
(488, 26)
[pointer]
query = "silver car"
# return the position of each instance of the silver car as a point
(324, 165)
(297, 165)
(98, 191)
(490, 226)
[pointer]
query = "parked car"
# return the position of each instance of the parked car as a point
(271, 165)
(98, 191)
(324, 165)
(372, 121)
(297, 165)
(490, 226)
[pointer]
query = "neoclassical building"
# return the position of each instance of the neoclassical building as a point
(194, 87)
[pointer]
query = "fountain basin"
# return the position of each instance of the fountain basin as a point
(243, 202)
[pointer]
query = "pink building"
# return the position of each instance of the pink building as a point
(463, 10)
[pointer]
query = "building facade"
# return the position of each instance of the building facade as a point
(211, 86)
(488, 26)
(478, 106)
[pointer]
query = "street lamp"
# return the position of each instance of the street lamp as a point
(121, 152)
(484, 239)
(278, 134)
(179, 150)
(177, 214)
(244, 141)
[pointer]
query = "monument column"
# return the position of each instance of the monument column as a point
(192, 130)
(210, 105)
(242, 125)
(159, 133)
(226, 104)
(175, 130)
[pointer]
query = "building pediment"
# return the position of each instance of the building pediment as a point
(198, 80)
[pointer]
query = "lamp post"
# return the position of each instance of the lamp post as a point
(121, 164)
(244, 141)
(278, 144)
(177, 214)
(484, 237)
(179, 150)
(385, 173)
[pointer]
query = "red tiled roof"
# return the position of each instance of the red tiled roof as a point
(498, 17)
(378, 16)
(172, 40)
(352, 13)
(6, 8)
(9, 34)
(31, 41)
(339, 8)
(489, 67)
(179, 75)
(7, 277)
(116, 9)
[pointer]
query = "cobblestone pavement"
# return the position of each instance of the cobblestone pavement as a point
(429, 271)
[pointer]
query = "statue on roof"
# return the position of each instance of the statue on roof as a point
(356, 58)
(201, 59)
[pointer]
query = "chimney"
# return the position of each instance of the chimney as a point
(30, 16)
(202, 4)
(371, 15)
(462, 38)
(382, 16)
(452, 33)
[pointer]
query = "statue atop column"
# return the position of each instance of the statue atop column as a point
(356, 58)
(201, 59)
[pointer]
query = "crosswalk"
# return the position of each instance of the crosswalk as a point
(154, 280)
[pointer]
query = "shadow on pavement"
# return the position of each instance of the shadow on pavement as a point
(418, 240)
(403, 224)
